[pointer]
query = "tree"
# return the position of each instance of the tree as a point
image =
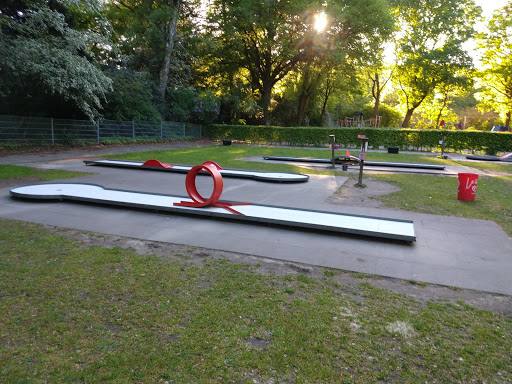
(270, 38)
(265, 37)
(434, 109)
(328, 88)
(379, 78)
(214, 71)
(169, 46)
(496, 75)
(132, 97)
(148, 37)
(44, 59)
(350, 41)
(457, 86)
(429, 49)
(311, 77)
(320, 81)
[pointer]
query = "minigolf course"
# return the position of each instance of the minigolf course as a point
(155, 165)
(197, 205)
(344, 159)
(507, 157)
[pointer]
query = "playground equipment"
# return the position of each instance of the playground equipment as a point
(357, 120)
(376, 121)
(444, 125)
(198, 205)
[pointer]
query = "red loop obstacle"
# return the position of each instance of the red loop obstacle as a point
(218, 184)
(190, 184)
(212, 164)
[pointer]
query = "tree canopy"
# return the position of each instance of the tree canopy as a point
(269, 39)
(47, 58)
(252, 61)
(496, 75)
(429, 53)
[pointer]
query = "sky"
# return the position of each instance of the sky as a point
(488, 6)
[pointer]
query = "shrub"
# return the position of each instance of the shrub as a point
(378, 137)
(182, 103)
(206, 109)
(132, 98)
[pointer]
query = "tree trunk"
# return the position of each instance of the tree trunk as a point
(327, 93)
(376, 107)
(265, 101)
(169, 47)
(445, 101)
(376, 94)
(407, 118)
(507, 118)
(301, 111)
(303, 97)
(411, 110)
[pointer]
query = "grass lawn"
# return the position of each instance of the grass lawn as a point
(494, 166)
(19, 172)
(76, 313)
(438, 195)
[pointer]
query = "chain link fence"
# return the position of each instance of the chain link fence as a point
(39, 130)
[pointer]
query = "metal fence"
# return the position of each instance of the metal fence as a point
(20, 130)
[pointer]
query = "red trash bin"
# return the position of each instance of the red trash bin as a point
(467, 186)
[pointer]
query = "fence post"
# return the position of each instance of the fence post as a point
(98, 132)
(184, 130)
(53, 135)
(161, 129)
(133, 129)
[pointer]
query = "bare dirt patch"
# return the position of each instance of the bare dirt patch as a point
(350, 194)
(348, 282)
(6, 183)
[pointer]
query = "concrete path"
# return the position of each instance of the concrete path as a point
(466, 253)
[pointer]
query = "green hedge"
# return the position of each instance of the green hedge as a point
(406, 139)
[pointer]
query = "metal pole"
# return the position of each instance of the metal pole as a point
(442, 147)
(98, 132)
(360, 182)
(332, 151)
(161, 130)
(362, 158)
(184, 130)
(133, 129)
